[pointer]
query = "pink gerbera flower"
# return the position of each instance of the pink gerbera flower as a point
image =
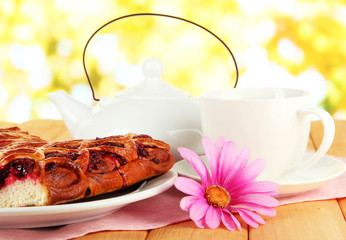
(231, 187)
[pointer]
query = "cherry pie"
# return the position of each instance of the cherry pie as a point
(34, 172)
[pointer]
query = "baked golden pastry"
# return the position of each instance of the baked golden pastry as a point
(34, 172)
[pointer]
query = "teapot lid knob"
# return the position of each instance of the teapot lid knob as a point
(153, 87)
(152, 68)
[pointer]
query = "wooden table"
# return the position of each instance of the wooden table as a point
(310, 220)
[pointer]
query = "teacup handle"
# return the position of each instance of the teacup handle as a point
(328, 137)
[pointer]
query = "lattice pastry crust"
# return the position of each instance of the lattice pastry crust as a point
(34, 172)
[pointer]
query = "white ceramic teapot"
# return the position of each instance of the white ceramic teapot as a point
(150, 107)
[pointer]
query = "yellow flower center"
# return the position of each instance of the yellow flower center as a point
(217, 196)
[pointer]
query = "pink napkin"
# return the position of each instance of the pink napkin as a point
(155, 212)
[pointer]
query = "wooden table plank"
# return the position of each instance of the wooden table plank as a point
(311, 220)
(119, 235)
(188, 230)
(43, 128)
(338, 147)
(47, 129)
(342, 205)
(7, 124)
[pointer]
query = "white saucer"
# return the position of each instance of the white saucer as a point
(325, 170)
(46, 216)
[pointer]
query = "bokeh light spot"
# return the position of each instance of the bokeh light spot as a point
(289, 51)
(20, 108)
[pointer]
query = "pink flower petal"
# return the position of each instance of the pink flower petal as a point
(228, 221)
(201, 223)
(264, 187)
(227, 159)
(212, 156)
(213, 217)
(196, 163)
(187, 202)
(243, 156)
(268, 211)
(219, 143)
(198, 209)
(227, 214)
(236, 167)
(250, 218)
(260, 199)
(247, 174)
(189, 186)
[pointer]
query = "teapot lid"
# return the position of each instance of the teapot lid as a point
(152, 86)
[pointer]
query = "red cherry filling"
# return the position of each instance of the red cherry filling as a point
(96, 158)
(142, 150)
(18, 168)
(50, 166)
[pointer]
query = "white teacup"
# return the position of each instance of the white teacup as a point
(274, 123)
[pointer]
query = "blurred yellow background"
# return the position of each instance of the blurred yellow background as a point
(291, 43)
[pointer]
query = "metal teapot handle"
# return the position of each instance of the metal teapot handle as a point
(160, 15)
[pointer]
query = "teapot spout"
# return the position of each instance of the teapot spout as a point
(71, 110)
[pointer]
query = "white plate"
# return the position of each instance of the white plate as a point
(325, 170)
(55, 215)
